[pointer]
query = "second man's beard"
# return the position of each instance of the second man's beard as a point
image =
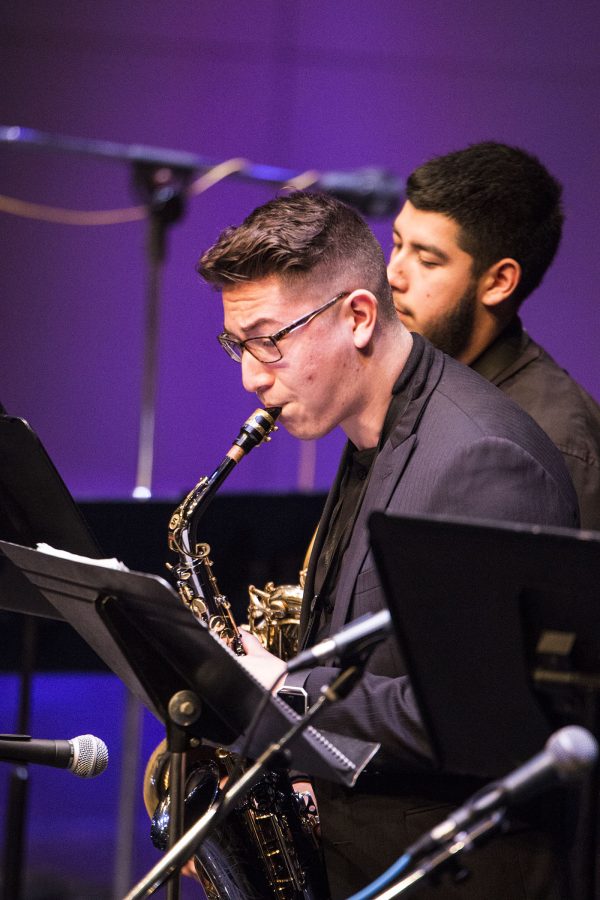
(453, 331)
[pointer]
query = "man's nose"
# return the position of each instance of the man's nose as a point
(255, 374)
(396, 273)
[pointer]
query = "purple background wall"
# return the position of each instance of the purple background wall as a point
(301, 85)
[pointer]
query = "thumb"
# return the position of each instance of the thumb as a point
(251, 644)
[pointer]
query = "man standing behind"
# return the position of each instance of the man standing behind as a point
(475, 237)
(308, 316)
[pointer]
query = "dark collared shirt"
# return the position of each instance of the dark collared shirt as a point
(566, 412)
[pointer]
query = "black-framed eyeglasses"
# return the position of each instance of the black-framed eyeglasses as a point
(265, 347)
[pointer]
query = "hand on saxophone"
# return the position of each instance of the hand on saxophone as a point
(306, 793)
(265, 667)
(189, 869)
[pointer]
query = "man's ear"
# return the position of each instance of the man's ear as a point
(499, 282)
(362, 308)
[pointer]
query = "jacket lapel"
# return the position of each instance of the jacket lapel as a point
(387, 472)
(410, 400)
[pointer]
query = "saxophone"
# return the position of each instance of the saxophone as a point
(268, 847)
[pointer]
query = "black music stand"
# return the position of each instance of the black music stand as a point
(35, 507)
(182, 673)
(35, 503)
(500, 628)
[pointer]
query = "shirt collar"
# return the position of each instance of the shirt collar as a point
(502, 352)
(409, 393)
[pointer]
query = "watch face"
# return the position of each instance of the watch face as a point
(296, 699)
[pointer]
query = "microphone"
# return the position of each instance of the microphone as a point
(355, 637)
(373, 192)
(568, 755)
(85, 756)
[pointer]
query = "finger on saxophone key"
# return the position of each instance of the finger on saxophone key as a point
(264, 666)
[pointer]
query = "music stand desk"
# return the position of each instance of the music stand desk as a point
(474, 604)
(137, 624)
(35, 507)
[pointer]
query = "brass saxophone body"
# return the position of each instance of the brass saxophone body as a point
(196, 583)
(268, 846)
(274, 616)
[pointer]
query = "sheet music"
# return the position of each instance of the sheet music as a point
(108, 563)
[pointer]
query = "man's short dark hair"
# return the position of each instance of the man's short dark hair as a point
(301, 236)
(504, 201)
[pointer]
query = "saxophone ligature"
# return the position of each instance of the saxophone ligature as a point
(268, 848)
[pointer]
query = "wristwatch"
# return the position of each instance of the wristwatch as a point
(294, 693)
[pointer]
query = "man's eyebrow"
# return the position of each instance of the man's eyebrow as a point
(427, 248)
(431, 248)
(260, 327)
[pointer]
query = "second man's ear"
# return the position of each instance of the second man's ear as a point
(499, 283)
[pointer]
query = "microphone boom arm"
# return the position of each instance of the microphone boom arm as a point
(374, 191)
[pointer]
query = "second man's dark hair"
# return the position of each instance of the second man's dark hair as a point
(504, 201)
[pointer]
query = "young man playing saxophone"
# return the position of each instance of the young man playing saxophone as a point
(308, 314)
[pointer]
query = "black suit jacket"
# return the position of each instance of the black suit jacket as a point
(455, 445)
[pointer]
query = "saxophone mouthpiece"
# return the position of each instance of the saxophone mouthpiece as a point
(272, 412)
(254, 431)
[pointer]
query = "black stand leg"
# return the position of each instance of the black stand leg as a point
(16, 816)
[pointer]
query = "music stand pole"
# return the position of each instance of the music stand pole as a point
(18, 793)
(183, 710)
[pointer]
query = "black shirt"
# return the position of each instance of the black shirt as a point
(357, 467)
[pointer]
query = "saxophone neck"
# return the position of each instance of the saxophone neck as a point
(256, 429)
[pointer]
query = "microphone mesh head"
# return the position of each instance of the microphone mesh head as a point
(574, 750)
(90, 756)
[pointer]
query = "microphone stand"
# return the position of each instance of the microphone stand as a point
(163, 189)
(274, 756)
(464, 841)
(164, 176)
